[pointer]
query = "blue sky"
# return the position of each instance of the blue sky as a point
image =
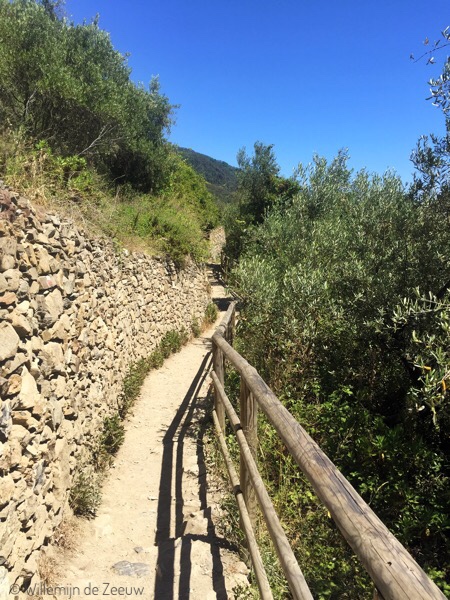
(307, 76)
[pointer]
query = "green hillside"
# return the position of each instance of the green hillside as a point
(221, 178)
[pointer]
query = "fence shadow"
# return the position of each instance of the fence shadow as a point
(170, 509)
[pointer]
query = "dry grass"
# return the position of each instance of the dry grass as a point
(66, 535)
(78, 193)
(50, 563)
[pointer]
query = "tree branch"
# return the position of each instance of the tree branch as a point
(105, 130)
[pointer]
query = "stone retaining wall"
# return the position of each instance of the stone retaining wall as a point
(74, 313)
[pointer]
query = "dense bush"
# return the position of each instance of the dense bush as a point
(189, 189)
(338, 318)
(77, 131)
(67, 84)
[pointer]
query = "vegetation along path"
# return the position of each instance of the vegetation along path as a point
(155, 530)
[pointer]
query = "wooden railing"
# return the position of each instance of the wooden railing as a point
(393, 570)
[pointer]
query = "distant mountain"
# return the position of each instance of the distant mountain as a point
(221, 177)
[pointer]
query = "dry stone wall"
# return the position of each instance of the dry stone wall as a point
(75, 312)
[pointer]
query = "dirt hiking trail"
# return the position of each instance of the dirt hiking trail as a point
(154, 535)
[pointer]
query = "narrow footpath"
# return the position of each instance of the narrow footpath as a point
(155, 535)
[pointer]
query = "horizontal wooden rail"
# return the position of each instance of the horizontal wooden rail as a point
(395, 573)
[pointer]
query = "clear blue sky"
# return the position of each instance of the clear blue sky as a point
(305, 75)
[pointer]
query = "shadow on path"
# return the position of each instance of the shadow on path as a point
(172, 479)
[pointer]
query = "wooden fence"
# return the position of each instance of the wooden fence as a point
(394, 572)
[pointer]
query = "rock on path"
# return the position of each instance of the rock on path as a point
(154, 535)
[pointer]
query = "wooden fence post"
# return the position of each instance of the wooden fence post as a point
(232, 328)
(249, 421)
(218, 366)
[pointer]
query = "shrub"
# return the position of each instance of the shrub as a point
(195, 327)
(211, 313)
(155, 360)
(173, 227)
(170, 343)
(113, 435)
(132, 384)
(85, 495)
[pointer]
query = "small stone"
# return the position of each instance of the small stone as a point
(40, 408)
(29, 251)
(5, 420)
(4, 227)
(18, 361)
(197, 524)
(9, 341)
(7, 263)
(59, 386)
(59, 329)
(55, 265)
(28, 395)
(24, 261)
(56, 414)
(36, 344)
(11, 456)
(52, 359)
(61, 475)
(8, 299)
(59, 277)
(30, 569)
(50, 230)
(69, 247)
(12, 277)
(21, 324)
(141, 550)
(3, 284)
(55, 220)
(24, 288)
(69, 286)
(8, 245)
(23, 307)
(70, 413)
(125, 567)
(50, 307)
(32, 274)
(47, 282)
(74, 363)
(24, 418)
(34, 288)
(42, 239)
(14, 384)
(33, 449)
(6, 489)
